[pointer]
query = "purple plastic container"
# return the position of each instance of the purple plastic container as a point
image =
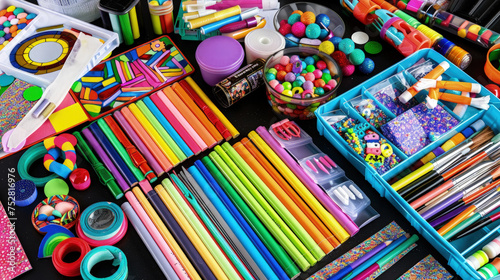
(219, 57)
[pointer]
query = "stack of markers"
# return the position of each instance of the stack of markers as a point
(455, 187)
(122, 18)
(239, 213)
(164, 129)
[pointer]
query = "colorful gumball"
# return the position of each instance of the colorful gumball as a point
(281, 75)
(279, 67)
(321, 65)
(336, 41)
(310, 77)
(308, 85)
(285, 60)
(299, 29)
(290, 77)
(308, 18)
(319, 83)
(317, 74)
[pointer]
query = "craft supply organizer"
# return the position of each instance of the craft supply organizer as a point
(47, 18)
(456, 251)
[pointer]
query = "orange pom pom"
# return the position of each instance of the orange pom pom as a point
(308, 18)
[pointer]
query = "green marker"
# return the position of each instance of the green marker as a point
(200, 230)
(159, 128)
(290, 220)
(128, 35)
(121, 150)
(105, 176)
(222, 161)
(274, 248)
(211, 227)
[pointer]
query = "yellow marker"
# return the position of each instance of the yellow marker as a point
(154, 134)
(174, 246)
(326, 217)
(191, 234)
(134, 23)
(214, 108)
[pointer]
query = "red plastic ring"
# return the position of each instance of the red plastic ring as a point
(67, 246)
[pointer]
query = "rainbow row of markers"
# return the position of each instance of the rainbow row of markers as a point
(239, 213)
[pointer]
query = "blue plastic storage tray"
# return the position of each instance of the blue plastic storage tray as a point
(456, 251)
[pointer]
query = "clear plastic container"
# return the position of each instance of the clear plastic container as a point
(300, 108)
(337, 25)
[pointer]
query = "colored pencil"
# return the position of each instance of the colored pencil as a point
(260, 188)
(186, 269)
(153, 231)
(477, 226)
(342, 226)
(207, 239)
(234, 132)
(387, 258)
(242, 237)
(349, 268)
(165, 164)
(284, 198)
(190, 232)
(183, 241)
(271, 225)
(244, 214)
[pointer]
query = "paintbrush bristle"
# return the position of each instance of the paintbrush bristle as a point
(482, 137)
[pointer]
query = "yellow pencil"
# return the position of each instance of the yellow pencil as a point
(325, 216)
(167, 151)
(234, 132)
(191, 234)
(174, 246)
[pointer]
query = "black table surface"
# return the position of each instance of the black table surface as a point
(246, 115)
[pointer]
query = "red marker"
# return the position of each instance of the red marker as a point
(247, 23)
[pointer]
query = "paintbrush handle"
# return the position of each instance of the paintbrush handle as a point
(424, 189)
(457, 220)
(464, 165)
(480, 192)
(432, 194)
(461, 226)
(426, 168)
(441, 206)
(422, 181)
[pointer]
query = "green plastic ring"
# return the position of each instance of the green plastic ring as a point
(105, 253)
(31, 155)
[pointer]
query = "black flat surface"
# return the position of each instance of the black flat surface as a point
(246, 115)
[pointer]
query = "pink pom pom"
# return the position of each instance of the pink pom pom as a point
(279, 88)
(283, 21)
(285, 60)
(285, 29)
(332, 83)
(310, 77)
(274, 83)
(298, 29)
(317, 74)
(348, 70)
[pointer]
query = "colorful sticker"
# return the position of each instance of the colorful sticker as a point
(428, 268)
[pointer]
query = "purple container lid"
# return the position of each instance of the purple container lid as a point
(219, 53)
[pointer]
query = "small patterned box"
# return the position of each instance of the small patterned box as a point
(435, 122)
(406, 133)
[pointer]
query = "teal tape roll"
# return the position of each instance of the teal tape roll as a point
(34, 153)
(101, 220)
(105, 253)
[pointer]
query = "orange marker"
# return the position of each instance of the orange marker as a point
(284, 198)
(152, 147)
(197, 112)
(299, 202)
(190, 117)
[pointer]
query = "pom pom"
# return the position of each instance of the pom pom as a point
(357, 57)
(293, 18)
(327, 47)
(297, 12)
(346, 46)
(323, 19)
(285, 60)
(313, 31)
(285, 29)
(308, 18)
(348, 70)
(336, 41)
(367, 66)
(298, 29)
